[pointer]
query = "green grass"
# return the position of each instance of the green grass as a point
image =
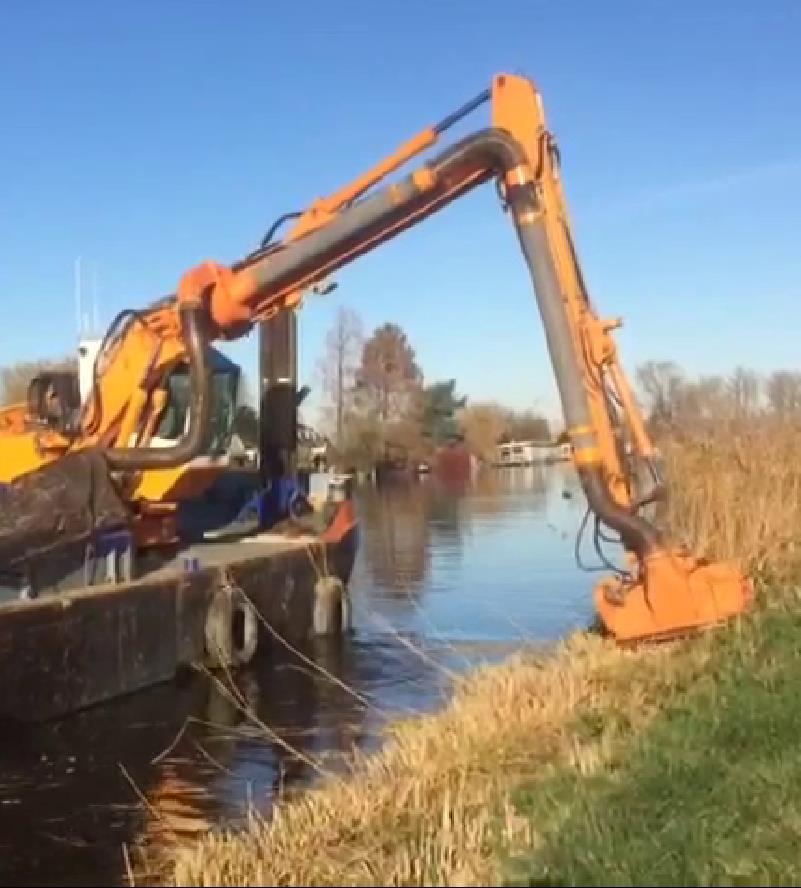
(709, 793)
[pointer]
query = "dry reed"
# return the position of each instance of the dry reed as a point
(736, 493)
(434, 807)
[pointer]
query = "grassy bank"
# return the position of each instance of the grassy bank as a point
(591, 765)
(709, 793)
(436, 806)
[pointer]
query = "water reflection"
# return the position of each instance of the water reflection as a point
(445, 576)
(395, 539)
(499, 557)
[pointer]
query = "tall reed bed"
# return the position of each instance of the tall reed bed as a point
(735, 492)
(435, 806)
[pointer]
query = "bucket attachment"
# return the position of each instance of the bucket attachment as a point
(675, 594)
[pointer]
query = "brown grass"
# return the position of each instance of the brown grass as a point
(736, 493)
(435, 806)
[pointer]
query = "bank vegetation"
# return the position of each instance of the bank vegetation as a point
(589, 764)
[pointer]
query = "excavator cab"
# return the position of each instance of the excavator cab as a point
(224, 392)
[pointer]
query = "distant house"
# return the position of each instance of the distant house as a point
(530, 453)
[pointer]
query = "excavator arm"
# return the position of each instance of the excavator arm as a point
(661, 591)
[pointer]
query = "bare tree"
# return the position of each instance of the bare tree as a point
(339, 364)
(707, 398)
(783, 390)
(744, 390)
(483, 425)
(389, 380)
(660, 382)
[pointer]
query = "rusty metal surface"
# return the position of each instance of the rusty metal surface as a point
(63, 653)
(59, 505)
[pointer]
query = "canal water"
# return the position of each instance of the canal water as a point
(445, 579)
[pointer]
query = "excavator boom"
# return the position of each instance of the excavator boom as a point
(662, 590)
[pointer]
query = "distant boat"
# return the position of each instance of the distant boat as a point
(454, 462)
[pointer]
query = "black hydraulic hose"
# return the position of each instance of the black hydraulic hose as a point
(635, 532)
(503, 153)
(267, 239)
(490, 151)
(192, 443)
(472, 160)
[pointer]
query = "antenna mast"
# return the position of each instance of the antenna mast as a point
(95, 307)
(78, 316)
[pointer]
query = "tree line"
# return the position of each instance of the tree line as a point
(377, 403)
(672, 400)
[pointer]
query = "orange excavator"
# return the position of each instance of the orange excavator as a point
(661, 591)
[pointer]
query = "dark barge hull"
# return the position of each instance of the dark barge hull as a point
(63, 653)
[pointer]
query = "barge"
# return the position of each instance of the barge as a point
(215, 603)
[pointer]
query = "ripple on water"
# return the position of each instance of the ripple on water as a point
(442, 582)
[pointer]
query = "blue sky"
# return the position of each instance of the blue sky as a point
(147, 137)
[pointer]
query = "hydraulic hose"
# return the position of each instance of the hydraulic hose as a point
(636, 533)
(500, 151)
(192, 443)
(473, 160)
(378, 216)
